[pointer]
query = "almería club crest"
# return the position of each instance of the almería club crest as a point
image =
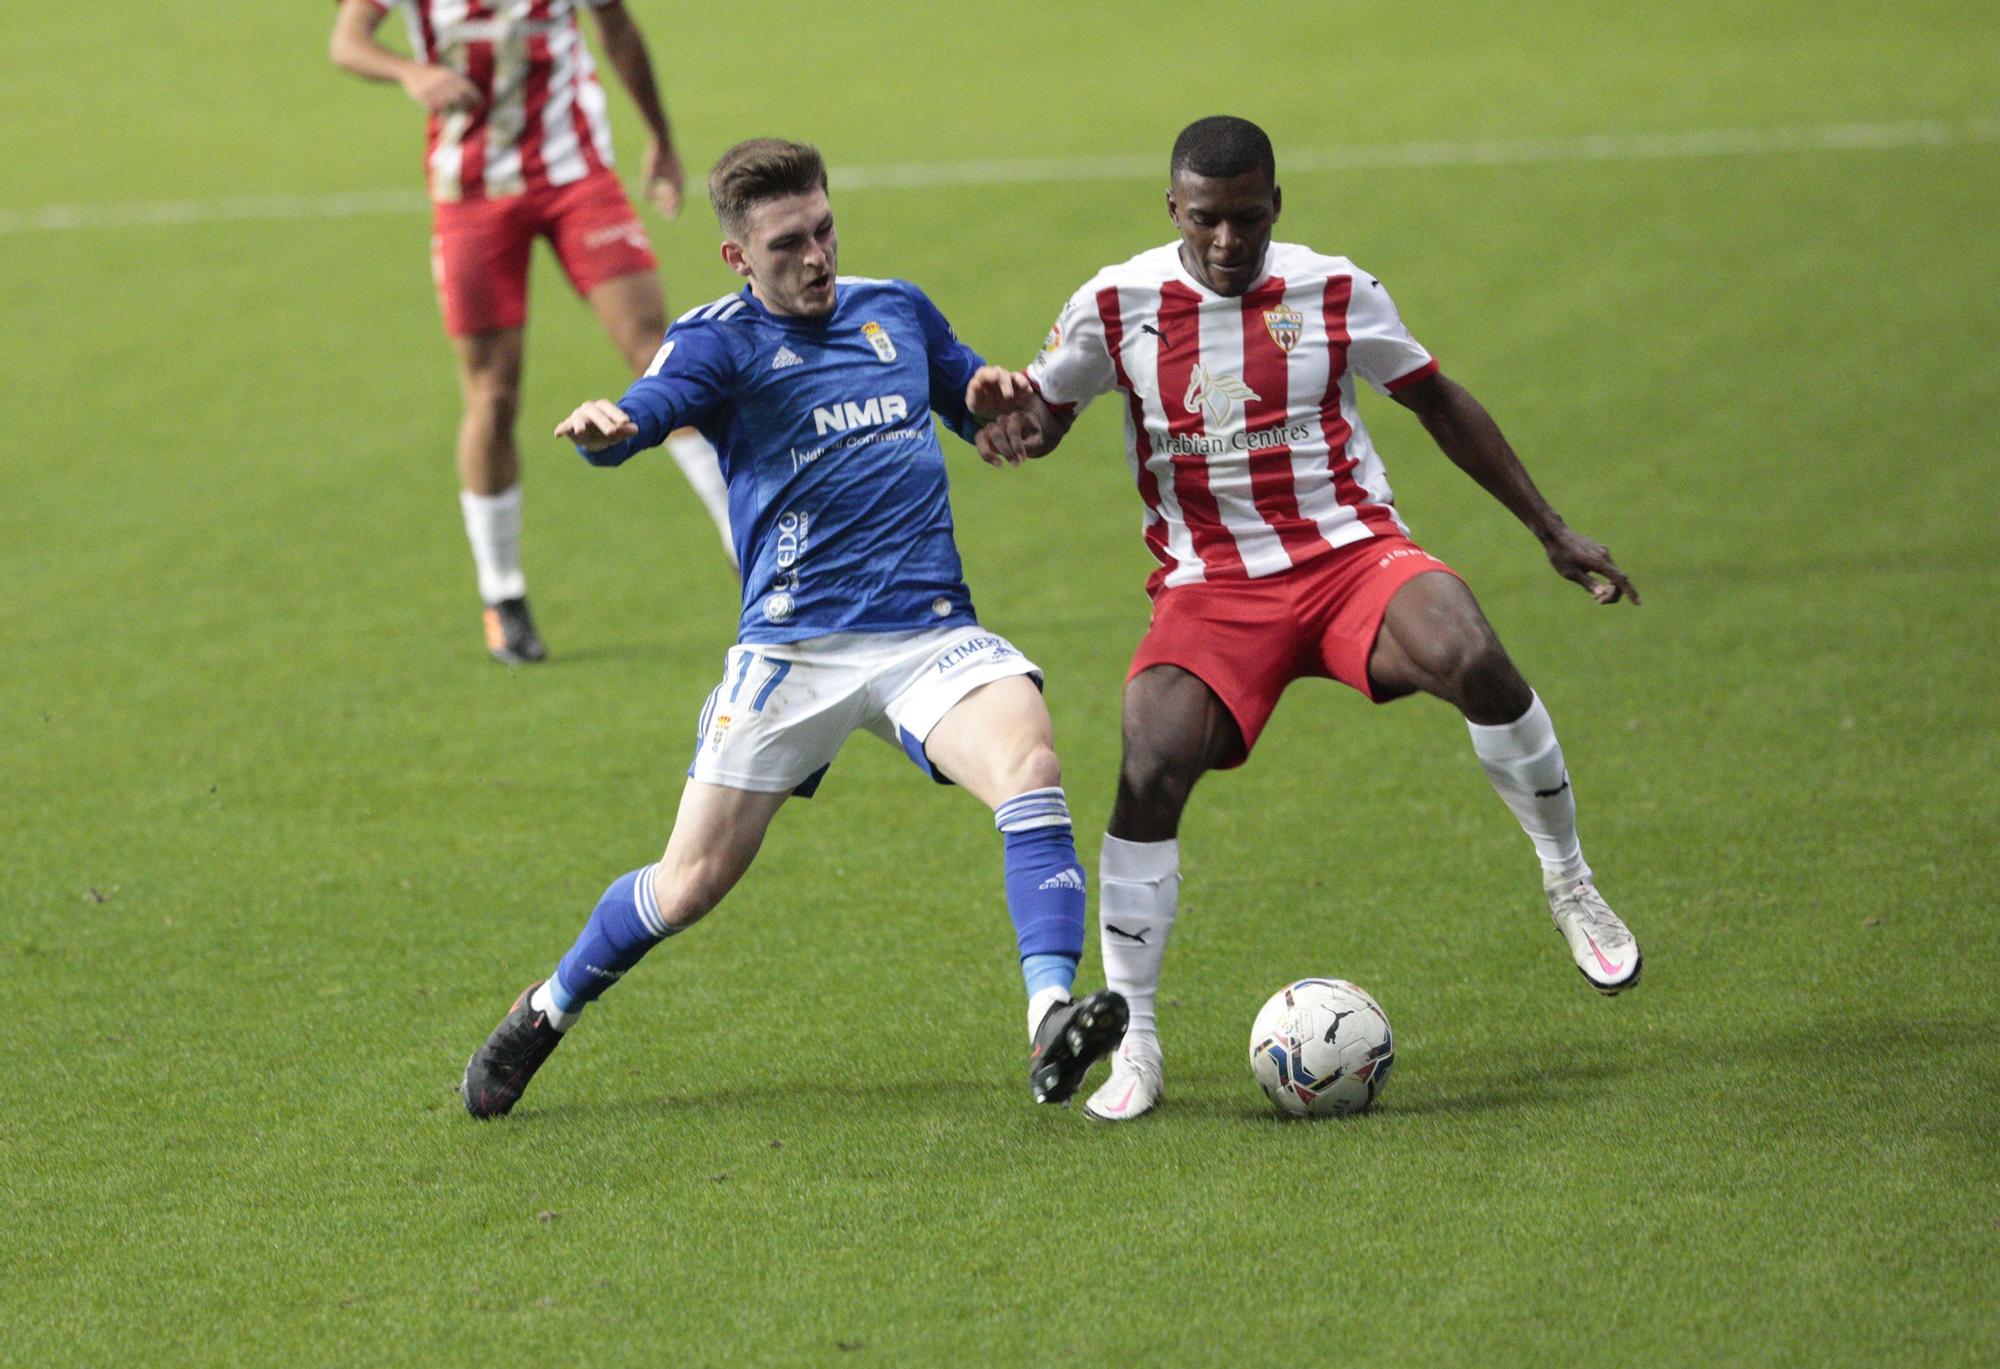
(1284, 325)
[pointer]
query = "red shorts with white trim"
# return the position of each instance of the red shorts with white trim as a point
(1248, 639)
(479, 248)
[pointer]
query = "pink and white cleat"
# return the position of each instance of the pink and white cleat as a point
(1134, 1088)
(1602, 946)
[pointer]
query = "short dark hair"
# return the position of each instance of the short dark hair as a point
(758, 170)
(1222, 146)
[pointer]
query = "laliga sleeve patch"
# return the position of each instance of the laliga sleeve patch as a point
(660, 358)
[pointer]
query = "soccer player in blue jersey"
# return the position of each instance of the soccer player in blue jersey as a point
(817, 391)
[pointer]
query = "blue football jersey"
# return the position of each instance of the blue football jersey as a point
(837, 491)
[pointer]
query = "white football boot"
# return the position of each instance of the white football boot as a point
(1134, 1088)
(1602, 946)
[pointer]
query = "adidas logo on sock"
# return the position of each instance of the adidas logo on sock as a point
(1068, 879)
(786, 357)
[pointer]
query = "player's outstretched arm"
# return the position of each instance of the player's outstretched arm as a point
(625, 50)
(597, 426)
(1466, 433)
(355, 48)
(1023, 426)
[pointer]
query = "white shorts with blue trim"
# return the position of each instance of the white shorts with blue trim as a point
(783, 709)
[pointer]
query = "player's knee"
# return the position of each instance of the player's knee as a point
(1480, 677)
(686, 894)
(1157, 779)
(1467, 657)
(494, 397)
(1037, 768)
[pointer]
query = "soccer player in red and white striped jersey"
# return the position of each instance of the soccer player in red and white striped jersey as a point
(1281, 554)
(519, 147)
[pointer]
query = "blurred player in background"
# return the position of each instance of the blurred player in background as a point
(818, 391)
(518, 148)
(1281, 552)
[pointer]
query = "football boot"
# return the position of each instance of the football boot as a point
(1603, 947)
(1071, 1038)
(498, 1073)
(1134, 1088)
(510, 633)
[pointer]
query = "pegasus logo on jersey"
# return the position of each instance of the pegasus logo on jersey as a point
(1214, 395)
(838, 418)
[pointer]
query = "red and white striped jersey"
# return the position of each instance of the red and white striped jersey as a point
(543, 120)
(1240, 421)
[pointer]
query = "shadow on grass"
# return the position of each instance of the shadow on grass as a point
(1541, 1085)
(1899, 1048)
(777, 1099)
(603, 654)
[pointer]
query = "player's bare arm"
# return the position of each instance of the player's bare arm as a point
(596, 425)
(625, 49)
(355, 48)
(1022, 427)
(1466, 433)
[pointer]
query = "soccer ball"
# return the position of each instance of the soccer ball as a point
(1321, 1046)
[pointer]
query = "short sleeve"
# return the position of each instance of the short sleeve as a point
(692, 373)
(1380, 349)
(1074, 365)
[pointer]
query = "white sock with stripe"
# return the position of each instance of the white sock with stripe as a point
(493, 526)
(1138, 892)
(1525, 762)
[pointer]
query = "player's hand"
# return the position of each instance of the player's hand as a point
(1011, 439)
(597, 425)
(1577, 558)
(664, 178)
(442, 90)
(997, 390)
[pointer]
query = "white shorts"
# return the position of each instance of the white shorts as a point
(783, 709)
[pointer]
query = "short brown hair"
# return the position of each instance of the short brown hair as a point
(758, 170)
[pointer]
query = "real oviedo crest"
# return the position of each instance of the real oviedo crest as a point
(879, 340)
(1284, 325)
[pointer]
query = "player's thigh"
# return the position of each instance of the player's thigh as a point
(1176, 729)
(1435, 638)
(1175, 726)
(633, 311)
(716, 836)
(923, 679)
(997, 741)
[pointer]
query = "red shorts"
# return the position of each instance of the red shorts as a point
(1248, 639)
(479, 248)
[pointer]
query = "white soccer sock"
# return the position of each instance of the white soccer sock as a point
(543, 1001)
(1039, 1005)
(1525, 762)
(698, 462)
(493, 526)
(1138, 890)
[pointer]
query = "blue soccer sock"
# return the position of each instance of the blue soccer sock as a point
(1045, 888)
(624, 926)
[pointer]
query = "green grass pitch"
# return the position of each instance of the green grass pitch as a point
(280, 843)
